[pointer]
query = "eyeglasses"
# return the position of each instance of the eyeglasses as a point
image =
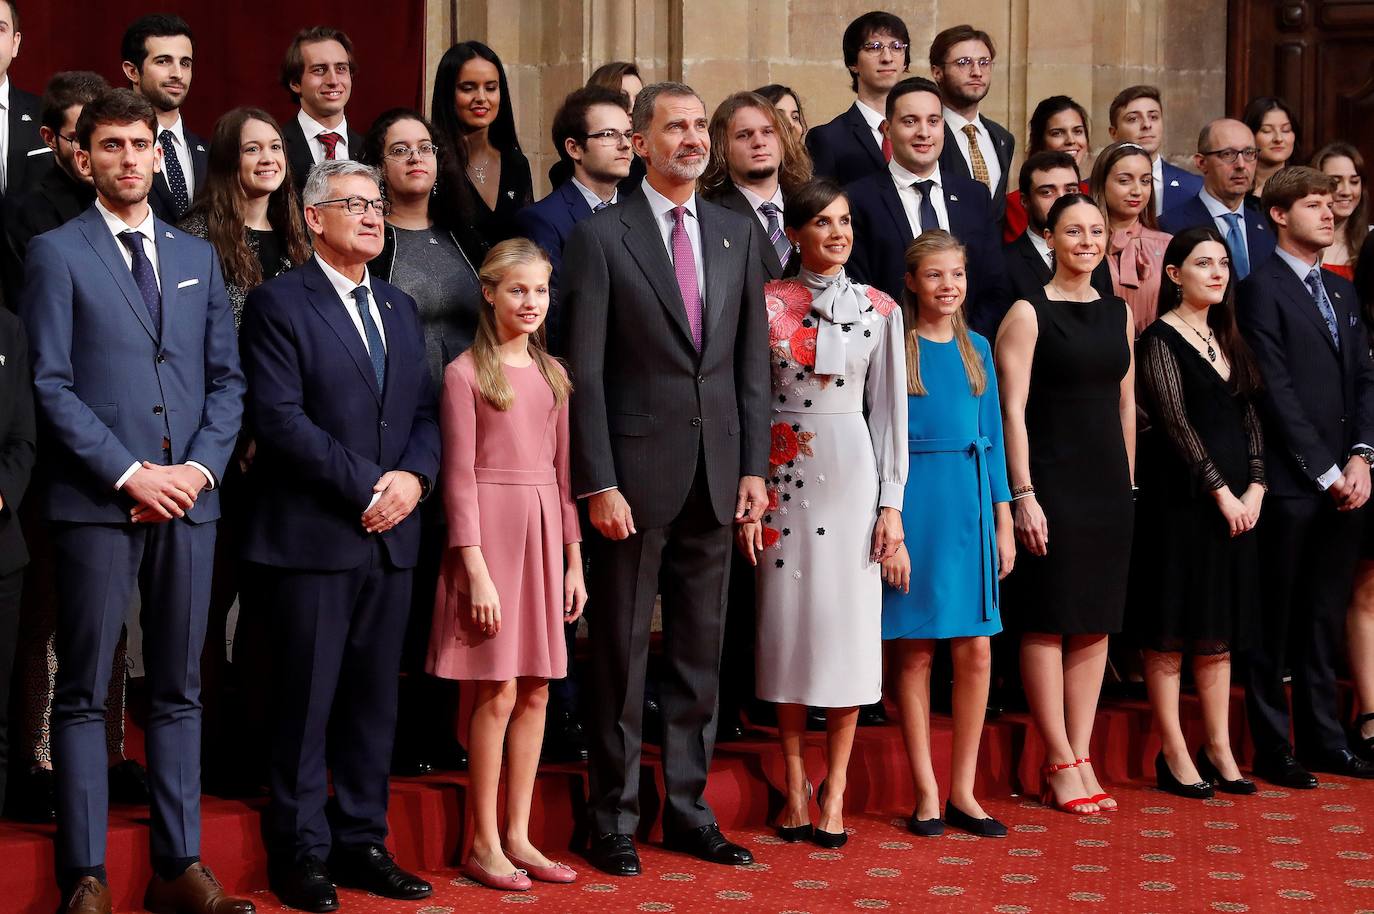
(612, 137)
(402, 153)
(1229, 155)
(966, 63)
(357, 206)
(876, 47)
(69, 139)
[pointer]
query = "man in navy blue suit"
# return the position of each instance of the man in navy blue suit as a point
(140, 397)
(591, 131)
(912, 194)
(1136, 116)
(1226, 155)
(961, 62)
(342, 407)
(877, 51)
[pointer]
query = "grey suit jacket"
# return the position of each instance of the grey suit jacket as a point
(646, 406)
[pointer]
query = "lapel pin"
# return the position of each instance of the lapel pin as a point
(2, 361)
(727, 241)
(25, 117)
(199, 148)
(388, 306)
(169, 235)
(953, 199)
(510, 194)
(1173, 183)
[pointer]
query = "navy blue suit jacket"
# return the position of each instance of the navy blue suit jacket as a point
(161, 198)
(1179, 187)
(952, 161)
(1259, 237)
(548, 224)
(844, 149)
(882, 232)
(110, 386)
(324, 434)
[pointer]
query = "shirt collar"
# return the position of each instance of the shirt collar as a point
(590, 196)
(313, 128)
(1215, 207)
(905, 179)
(178, 131)
(1039, 242)
(957, 121)
(755, 201)
(343, 286)
(5, 92)
(661, 206)
(1296, 265)
(118, 226)
(874, 119)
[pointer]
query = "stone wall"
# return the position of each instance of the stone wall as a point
(1088, 49)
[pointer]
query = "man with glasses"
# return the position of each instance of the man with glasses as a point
(1226, 155)
(877, 51)
(961, 62)
(343, 412)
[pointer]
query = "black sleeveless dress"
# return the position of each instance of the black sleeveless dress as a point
(1079, 469)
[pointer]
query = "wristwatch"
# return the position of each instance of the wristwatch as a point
(1363, 452)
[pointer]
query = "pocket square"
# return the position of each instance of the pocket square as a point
(38, 152)
(187, 282)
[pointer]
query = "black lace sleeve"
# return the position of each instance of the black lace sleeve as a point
(1160, 374)
(1254, 441)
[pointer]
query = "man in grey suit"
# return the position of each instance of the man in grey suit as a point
(668, 342)
(140, 396)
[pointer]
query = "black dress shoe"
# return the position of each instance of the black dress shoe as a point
(707, 843)
(34, 798)
(564, 739)
(874, 715)
(730, 730)
(129, 783)
(983, 828)
(372, 869)
(450, 755)
(410, 763)
(304, 885)
(815, 720)
(651, 728)
(1345, 763)
(1211, 774)
(1284, 770)
(1168, 783)
(615, 854)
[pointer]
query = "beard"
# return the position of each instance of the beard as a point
(964, 96)
(677, 168)
(761, 173)
(109, 187)
(161, 100)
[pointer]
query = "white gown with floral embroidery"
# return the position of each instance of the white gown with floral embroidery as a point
(831, 467)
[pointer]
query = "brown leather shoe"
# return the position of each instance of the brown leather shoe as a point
(91, 896)
(195, 891)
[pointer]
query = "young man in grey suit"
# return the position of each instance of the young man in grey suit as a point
(668, 344)
(138, 387)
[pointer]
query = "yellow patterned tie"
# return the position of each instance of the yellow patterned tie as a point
(975, 157)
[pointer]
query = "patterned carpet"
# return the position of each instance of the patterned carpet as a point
(1279, 851)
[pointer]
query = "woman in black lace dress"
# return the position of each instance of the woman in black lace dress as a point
(1201, 485)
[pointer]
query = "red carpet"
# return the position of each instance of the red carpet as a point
(1279, 851)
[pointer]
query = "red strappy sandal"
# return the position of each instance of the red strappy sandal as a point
(1072, 807)
(1098, 798)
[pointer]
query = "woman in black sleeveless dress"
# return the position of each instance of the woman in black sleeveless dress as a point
(1195, 565)
(1068, 402)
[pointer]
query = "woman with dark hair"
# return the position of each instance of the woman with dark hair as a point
(786, 100)
(620, 75)
(1343, 161)
(1123, 186)
(1067, 373)
(1275, 127)
(836, 470)
(1060, 124)
(1196, 564)
(472, 113)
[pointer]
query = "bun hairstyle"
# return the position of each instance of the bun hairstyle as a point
(1106, 161)
(937, 241)
(491, 378)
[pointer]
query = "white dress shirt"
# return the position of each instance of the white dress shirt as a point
(145, 229)
(1042, 247)
(662, 209)
(874, 119)
(1157, 184)
(312, 130)
(593, 201)
(1218, 211)
(755, 201)
(911, 197)
(343, 287)
(178, 131)
(4, 132)
(957, 123)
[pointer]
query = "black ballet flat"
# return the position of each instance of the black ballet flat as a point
(983, 828)
(925, 828)
(794, 833)
(1211, 774)
(827, 839)
(1166, 781)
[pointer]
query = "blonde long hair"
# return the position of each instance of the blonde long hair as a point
(491, 379)
(937, 241)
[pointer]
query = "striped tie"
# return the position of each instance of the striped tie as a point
(775, 235)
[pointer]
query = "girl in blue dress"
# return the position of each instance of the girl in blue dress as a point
(942, 583)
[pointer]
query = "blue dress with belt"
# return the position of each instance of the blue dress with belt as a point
(958, 472)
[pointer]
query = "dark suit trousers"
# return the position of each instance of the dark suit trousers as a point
(1308, 552)
(11, 587)
(98, 566)
(337, 639)
(688, 563)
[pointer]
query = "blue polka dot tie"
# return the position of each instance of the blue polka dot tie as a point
(176, 178)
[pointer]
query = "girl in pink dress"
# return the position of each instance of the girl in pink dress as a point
(512, 570)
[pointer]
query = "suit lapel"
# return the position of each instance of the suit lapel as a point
(395, 339)
(169, 270)
(644, 241)
(714, 245)
(577, 204)
(1033, 258)
(893, 203)
(1302, 300)
(863, 134)
(735, 200)
(324, 300)
(14, 161)
(103, 243)
(951, 159)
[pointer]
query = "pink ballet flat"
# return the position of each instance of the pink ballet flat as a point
(511, 882)
(558, 873)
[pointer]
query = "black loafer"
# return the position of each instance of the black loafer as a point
(304, 885)
(372, 869)
(874, 715)
(707, 843)
(1345, 763)
(1284, 770)
(614, 854)
(983, 828)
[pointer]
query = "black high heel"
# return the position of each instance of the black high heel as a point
(794, 833)
(826, 839)
(1170, 784)
(1211, 774)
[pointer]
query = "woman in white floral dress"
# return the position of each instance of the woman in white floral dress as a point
(837, 469)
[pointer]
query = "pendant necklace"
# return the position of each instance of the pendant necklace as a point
(479, 172)
(1206, 340)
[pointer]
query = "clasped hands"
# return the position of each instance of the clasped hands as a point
(400, 493)
(161, 493)
(1351, 490)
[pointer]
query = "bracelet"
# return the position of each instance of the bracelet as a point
(1023, 490)
(1021, 495)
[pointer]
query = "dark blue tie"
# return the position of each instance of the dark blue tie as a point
(600, 206)
(375, 349)
(1318, 290)
(926, 210)
(176, 178)
(144, 277)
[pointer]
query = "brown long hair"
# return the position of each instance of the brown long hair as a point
(793, 171)
(222, 203)
(491, 379)
(937, 241)
(1102, 168)
(1357, 226)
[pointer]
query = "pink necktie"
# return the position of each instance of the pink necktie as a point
(685, 266)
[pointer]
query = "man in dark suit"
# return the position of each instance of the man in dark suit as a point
(668, 344)
(961, 62)
(318, 72)
(1136, 116)
(877, 51)
(140, 396)
(915, 193)
(1226, 156)
(342, 407)
(1045, 177)
(1304, 325)
(158, 53)
(17, 440)
(26, 158)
